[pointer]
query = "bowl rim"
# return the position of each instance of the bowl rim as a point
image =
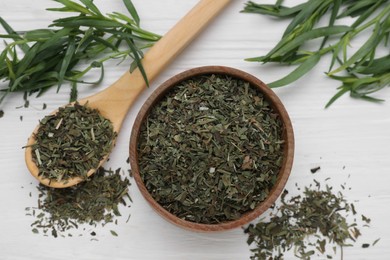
(283, 174)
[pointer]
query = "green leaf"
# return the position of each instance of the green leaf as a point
(361, 82)
(62, 9)
(370, 85)
(368, 59)
(39, 35)
(57, 39)
(52, 61)
(23, 46)
(88, 21)
(361, 87)
(11, 73)
(341, 45)
(300, 71)
(137, 59)
(365, 97)
(91, 6)
(105, 43)
(71, 7)
(75, 78)
(73, 92)
(122, 17)
(366, 13)
(85, 41)
(345, 79)
(278, 3)
(256, 59)
(333, 17)
(133, 12)
(338, 95)
(67, 59)
(123, 34)
(47, 80)
(15, 37)
(27, 59)
(39, 86)
(288, 46)
(2, 59)
(35, 69)
(358, 7)
(136, 32)
(377, 66)
(365, 49)
(307, 10)
(273, 10)
(17, 83)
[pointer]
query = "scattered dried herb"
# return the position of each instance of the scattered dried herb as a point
(51, 55)
(95, 201)
(315, 169)
(71, 142)
(365, 72)
(211, 149)
(312, 224)
(376, 241)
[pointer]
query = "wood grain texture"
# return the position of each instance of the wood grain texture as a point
(349, 141)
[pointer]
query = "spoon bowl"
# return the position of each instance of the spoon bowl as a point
(114, 102)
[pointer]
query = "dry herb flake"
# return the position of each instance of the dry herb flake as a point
(311, 224)
(94, 201)
(211, 149)
(71, 142)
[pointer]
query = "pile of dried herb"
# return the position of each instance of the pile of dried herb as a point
(365, 70)
(91, 202)
(54, 55)
(211, 149)
(71, 142)
(315, 223)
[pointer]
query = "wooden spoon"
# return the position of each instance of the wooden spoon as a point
(114, 102)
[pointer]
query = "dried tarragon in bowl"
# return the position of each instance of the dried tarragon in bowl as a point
(71, 142)
(211, 149)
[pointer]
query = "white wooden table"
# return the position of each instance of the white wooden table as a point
(350, 142)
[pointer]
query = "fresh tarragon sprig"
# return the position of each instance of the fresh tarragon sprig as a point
(37, 60)
(363, 72)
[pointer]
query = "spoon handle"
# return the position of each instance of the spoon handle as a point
(181, 35)
(115, 101)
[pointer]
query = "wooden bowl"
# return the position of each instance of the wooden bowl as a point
(284, 171)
